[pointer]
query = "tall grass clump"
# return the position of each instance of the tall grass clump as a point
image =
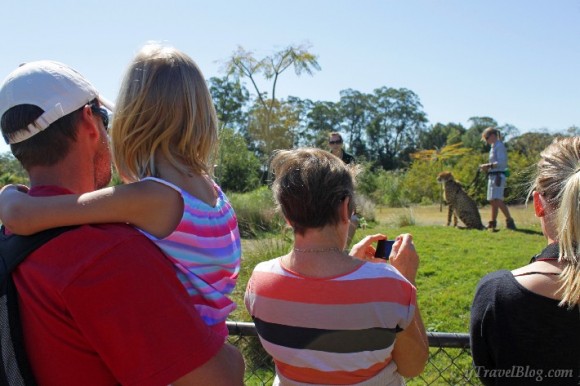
(256, 212)
(406, 219)
(365, 207)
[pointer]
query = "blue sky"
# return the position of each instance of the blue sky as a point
(516, 61)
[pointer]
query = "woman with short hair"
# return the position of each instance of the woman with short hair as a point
(327, 317)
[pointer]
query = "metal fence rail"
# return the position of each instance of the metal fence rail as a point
(449, 358)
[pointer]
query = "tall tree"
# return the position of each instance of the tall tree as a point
(531, 144)
(244, 64)
(278, 133)
(472, 137)
(322, 119)
(355, 111)
(397, 121)
(440, 135)
(230, 98)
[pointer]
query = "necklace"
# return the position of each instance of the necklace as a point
(317, 250)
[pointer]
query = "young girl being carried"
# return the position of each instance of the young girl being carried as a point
(163, 134)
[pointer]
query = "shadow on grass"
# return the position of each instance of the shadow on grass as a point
(528, 231)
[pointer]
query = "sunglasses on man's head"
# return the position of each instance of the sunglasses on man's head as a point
(337, 142)
(101, 112)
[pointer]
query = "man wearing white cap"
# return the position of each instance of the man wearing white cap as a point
(100, 304)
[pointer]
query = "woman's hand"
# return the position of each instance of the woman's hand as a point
(404, 257)
(364, 249)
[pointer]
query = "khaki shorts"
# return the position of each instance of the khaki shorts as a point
(495, 192)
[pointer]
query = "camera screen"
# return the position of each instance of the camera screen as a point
(384, 248)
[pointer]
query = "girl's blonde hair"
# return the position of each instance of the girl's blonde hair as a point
(164, 106)
(558, 181)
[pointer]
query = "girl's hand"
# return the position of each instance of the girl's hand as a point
(17, 187)
(12, 198)
(364, 249)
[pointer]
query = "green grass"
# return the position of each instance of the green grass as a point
(452, 262)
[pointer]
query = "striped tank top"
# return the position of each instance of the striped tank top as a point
(205, 249)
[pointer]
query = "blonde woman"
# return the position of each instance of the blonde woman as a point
(528, 320)
(163, 133)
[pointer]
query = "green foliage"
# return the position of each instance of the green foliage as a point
(419, 184)
(274, 128)
(272, 123)
(472, 137)
(530, 144)
(229, 97)
(441, 135)
(381, 186)
(256, 213)
(238, 168)
(396, 119)
(11, 172)
(522, 167)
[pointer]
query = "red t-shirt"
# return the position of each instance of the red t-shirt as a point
(101, 305)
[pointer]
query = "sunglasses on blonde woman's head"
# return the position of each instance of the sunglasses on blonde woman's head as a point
(337, 142)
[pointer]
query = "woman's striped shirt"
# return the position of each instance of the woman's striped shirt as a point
(338, 330)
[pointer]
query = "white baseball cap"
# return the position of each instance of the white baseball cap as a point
(54, 87)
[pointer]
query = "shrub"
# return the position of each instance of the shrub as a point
(255, 212)
(382, 187)
(419, 183)
(238, 169)
(365, 207)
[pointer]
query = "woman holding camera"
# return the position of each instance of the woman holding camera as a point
(327, 317)
(525, 324)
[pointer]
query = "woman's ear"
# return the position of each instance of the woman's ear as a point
(345, 213)
(538, 204)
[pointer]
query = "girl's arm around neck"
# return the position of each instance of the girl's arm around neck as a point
(153, 207)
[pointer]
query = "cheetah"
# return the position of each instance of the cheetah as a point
(460, 204)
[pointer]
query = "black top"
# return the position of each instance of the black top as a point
(521, 338)
(347, 158)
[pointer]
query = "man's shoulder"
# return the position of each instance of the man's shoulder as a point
(100, 239)
(113, 231)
